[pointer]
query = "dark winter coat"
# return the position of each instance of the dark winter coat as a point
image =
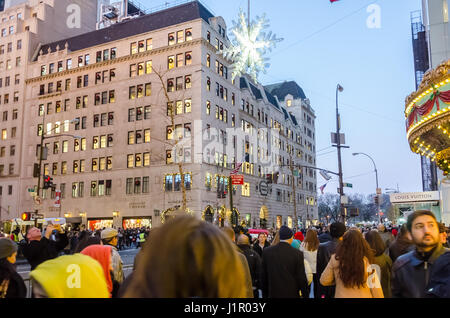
(258, 248)
(385, 264)
(439, 285)
(325, 237)
(283, 272)
(323, 257)
(254, 263)
(16, 287)
(411, 273)
(399, 247)
(37, 252)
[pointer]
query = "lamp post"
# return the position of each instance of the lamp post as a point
(376, 176)
(339, 88)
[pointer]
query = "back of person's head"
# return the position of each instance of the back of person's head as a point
(87, 241)
(229, 232)
(337, 230)
(417, 214)
(185, 258)
(311, 241)
(376, 242)
(381, 227)
(243, 240)
(350, 253)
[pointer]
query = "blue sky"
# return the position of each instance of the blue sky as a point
(325, 44)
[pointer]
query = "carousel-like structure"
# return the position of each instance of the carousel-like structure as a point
(427, 113)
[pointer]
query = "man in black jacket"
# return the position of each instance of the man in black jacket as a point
(40, 249)
(283, 269)
(411, 271)
(324, 253)
(253, 260)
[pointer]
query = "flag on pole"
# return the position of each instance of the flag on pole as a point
(323, 187)
(238, 166)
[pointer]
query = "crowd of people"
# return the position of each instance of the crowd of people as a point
(187, 257)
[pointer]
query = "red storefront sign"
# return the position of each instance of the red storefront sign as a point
(237, 179)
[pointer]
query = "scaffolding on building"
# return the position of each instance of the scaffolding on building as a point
(421, 65)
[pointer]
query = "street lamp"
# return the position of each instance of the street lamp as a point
(376, 176)
(339, 88)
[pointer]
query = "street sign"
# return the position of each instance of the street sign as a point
(334, 139)
(295, 173)
(237, 179)
(344, 199)
(263, 188)
(348, 185)
(325, 175)
(57, 199)
(30, 189)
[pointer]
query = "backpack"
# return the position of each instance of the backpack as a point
(439, 285)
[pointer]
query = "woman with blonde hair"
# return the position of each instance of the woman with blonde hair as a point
(185, 258)
(309, 248)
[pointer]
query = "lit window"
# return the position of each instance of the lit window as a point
(246, 189)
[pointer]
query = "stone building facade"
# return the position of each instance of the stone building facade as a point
(116, 164)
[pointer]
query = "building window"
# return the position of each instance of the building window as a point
(246, 189)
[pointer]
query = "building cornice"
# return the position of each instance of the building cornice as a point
(115, 61)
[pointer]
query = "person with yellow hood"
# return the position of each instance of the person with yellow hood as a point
(69, 276)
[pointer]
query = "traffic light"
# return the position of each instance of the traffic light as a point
(26, 216)
(48, 182)
(376, 200)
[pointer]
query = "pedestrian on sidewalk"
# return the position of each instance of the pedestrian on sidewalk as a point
(309, 248)
(324, 253)
(11, 283)
(261, 244)
(348, 269)
(109, 237)
(386, 236)
(402, 244)
(40, 249)
(231, 234)
(188, 258)
(103, 255)
(411, 271)
(254, 262)
(382, 260)
(283, 269)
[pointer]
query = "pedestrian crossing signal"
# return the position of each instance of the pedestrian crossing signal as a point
(26, 216)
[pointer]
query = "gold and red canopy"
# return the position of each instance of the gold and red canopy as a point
(427, 113)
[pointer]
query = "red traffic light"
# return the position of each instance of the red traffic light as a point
(26, 216)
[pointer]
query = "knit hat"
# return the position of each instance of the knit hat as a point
(7, 247)
(337, 229)
(108, 233)
(299, 236)
(71, 276)
(102, 254)
(285, 233)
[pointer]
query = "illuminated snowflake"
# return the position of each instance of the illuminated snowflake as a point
(249, 45)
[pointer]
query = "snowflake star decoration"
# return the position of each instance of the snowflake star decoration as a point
(249, 45)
